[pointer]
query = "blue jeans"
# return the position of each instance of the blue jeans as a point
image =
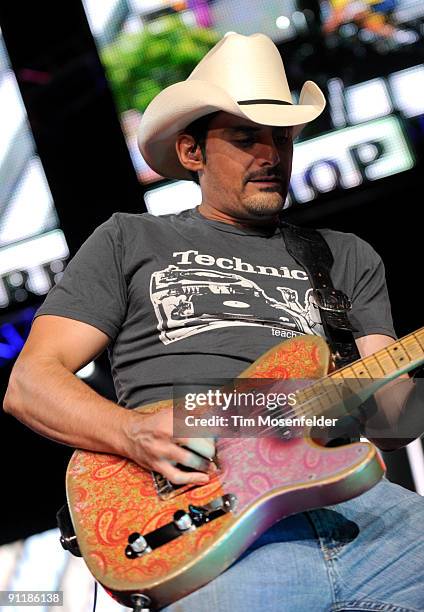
(363, 554)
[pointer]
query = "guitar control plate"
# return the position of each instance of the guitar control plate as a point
(184, 522)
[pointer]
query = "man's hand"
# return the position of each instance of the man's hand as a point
(45, 394)
(151, 445)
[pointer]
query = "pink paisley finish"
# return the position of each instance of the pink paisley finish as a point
(297, 358)
(98, 559)
(271, 453)
(256, 484)
(109, 470)
(259, 465)
(110, 526)
(124, 502)
(80, 496)
(127, 502)
(206, 537)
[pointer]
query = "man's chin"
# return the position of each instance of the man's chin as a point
(264, 205)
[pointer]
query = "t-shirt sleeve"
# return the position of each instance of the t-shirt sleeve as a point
(93, 288)
(371, 312)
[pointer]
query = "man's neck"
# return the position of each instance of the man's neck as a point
(215, 214)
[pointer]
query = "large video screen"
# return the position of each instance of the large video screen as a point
(147, 45)
(33, 249)
(387, 25)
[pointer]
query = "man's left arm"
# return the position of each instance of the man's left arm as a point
(400, 416)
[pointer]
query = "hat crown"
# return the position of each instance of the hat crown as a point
(247, 67)
(241, 75)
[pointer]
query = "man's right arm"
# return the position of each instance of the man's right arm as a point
(45, 395)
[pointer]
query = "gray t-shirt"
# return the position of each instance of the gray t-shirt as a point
(183, 297)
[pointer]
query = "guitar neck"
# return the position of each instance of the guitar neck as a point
(365, 376)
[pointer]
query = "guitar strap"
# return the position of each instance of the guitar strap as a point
(309, 248)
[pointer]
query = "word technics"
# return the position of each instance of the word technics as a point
(236, 264)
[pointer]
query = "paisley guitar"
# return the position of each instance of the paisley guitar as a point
(149, 542)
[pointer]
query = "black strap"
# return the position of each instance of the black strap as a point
(309, 248)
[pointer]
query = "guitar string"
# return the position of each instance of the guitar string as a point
(263, 432)
(295, 413)
(340, 382)
(303, 409)
(298, 412)
(360, 383)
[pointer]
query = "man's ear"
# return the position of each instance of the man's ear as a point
(189, 154)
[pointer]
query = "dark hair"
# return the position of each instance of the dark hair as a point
(198, 129)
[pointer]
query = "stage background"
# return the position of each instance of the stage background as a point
(74, 82)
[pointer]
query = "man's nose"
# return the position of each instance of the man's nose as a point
(269, 151)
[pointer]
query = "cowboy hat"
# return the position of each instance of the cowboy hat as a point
(241, 75)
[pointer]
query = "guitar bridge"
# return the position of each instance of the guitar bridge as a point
(168, 490)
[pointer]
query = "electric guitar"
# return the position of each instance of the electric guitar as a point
(149, 542)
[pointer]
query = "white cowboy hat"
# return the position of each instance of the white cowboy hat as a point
(241, 75)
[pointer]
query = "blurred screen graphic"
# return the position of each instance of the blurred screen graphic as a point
(33, 249)
(388, 25)
(341, 159)
(147, 45)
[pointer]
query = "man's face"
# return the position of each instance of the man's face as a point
(239, 153)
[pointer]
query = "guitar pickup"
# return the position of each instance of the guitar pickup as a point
(167, 490)
(217, 507)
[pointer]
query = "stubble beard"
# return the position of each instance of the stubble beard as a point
(264, 204)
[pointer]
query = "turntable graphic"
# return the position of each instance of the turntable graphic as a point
(191, 301)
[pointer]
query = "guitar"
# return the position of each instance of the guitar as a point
(148, 541)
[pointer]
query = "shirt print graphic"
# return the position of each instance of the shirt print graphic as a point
(189, 301)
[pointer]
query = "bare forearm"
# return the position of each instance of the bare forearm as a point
(54, 402)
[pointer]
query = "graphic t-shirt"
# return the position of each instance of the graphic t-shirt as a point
(186, 298)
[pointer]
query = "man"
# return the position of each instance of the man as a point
(205, 293)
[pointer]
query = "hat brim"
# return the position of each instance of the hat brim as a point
(180, 104)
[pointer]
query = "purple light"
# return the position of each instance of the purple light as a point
(201, 11)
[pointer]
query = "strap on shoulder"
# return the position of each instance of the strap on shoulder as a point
(310, 249)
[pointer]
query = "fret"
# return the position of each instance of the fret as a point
(328, 396)
(398, 354)
(386, 362)
(309, 392)
(413, 348)
(360, 370)
(419, 337)
(346, 372)
(303, 397)
(353, 382)
(319, 407)
(316, 395)
(334, 392)
(417, 341)
(338, 373)
(374, 367)
(317, 399)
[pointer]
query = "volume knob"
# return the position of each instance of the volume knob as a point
(183, 521)
(138, 544)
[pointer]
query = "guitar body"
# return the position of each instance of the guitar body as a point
(110, 498)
